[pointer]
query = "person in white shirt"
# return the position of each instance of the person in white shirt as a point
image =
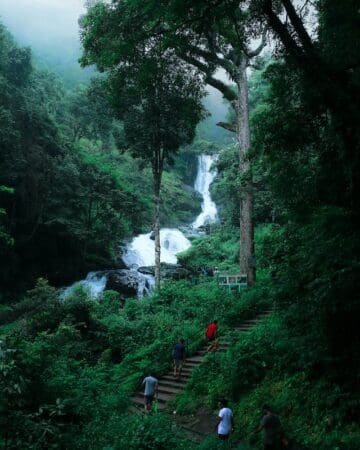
(225, 420)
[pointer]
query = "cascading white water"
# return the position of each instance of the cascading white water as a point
(205, 176)
(146, 284)
(94, 283)
(141, 250)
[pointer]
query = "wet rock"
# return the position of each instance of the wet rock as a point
(129, 282)
(170, 271)
(124, 281)
(119, 263)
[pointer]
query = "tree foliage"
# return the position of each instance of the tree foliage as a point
(155, 94)
(74, 195)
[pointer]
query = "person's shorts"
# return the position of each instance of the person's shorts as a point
(223, 437)
(210, 339)
(178, 363)
(149, 399)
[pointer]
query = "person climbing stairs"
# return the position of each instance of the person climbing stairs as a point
(169, 387)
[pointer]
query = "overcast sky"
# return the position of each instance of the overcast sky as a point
(36, 22)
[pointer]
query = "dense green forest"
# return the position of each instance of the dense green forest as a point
(75, 184)
(70, 194)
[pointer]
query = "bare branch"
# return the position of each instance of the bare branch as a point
(226, 90)
(212, 57)
(228, 126)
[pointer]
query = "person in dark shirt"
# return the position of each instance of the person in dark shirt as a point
(273, 434)
(179, 358)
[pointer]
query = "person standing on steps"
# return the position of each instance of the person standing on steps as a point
(179, 358)
(211, 336)
(151, 389)
(225, 421)
(274, 438)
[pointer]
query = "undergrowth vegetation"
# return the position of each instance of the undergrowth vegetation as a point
(69, 367)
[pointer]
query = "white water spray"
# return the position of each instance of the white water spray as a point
(141, 250)
(94, 283)
(205, 176)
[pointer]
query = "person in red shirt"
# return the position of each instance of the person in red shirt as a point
(211, 335)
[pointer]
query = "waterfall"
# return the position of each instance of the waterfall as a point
(140, 251)
(205, 176)
(94, 283)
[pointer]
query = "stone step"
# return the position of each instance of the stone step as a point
(188, 369)
(190, 366)
(194, 359)
(181, 383)
(192, 363)
(138, 399)
(171, 384)
(135, 408)
(164, 397)
(169, 390)
(185, 377)
(171, 379)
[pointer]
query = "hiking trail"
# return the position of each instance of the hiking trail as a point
(197, 427)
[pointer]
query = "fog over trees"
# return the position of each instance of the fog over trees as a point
(50, 28)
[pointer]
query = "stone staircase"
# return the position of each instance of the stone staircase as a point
(169, 387)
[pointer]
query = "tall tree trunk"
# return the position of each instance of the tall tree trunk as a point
(157, 182)
(247, 265)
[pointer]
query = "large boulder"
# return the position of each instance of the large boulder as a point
(172, 271)
(124, 281)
